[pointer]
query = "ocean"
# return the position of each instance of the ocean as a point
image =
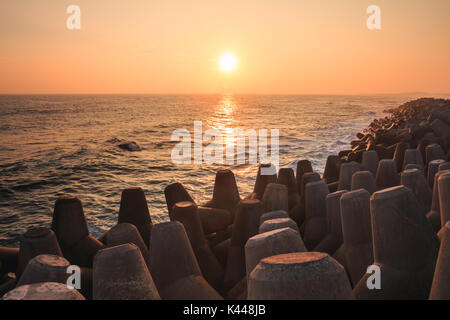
(67, 145)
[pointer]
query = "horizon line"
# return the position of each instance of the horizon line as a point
(217, 93)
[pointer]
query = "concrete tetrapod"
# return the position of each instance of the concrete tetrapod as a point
(405, 247)
(213, 219)
(333, 240)
(387, 175)
(134, 210)
(273, 215)
(187, 214)
(275, 198)
(120, 273)
(8, 282)
(271, 243)
(414, 166)
(315, 225)
(434, 215)
(347, 171)
(34, 242)
(70, 227)
(433, 168)
(357, 233)
(124, 233)
(45, 268)
(399, 154)
(286, 177)
(225, 194)
(174, 267)
(440, 288)
(445, 165)
(299, 276)
(434, 152)
(303, 166)
(245, 226)
(9, 258)
(43, 291)
(444, 198)
(266, 174)
(279, 223)
(364, 180)
(415, 180)
(413, 156)
(174, 193)
(332, 167)
(298, 212)
(370, 161)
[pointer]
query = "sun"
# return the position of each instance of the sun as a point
(227, 62)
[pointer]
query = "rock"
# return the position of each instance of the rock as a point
(130, 146)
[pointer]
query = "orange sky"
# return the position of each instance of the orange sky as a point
(282, 47)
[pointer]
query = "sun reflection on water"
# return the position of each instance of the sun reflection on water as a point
(224, 121)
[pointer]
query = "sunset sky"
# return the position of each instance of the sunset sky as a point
(174, 46)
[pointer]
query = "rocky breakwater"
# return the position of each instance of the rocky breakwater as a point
(382, 206)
